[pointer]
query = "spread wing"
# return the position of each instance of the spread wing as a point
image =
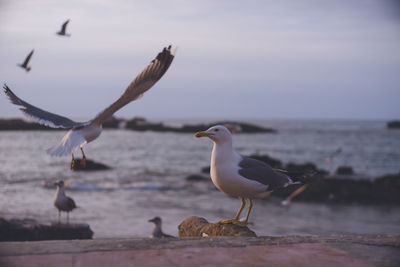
(143, 82)
(28, 58)
(39, 115)
(64, 26)
(263, 173)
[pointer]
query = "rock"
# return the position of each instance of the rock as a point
(90, 165)
(30, 230)
(198, 227)
(18, 124)
(393, 125)
(113, 123)
(344, 170)
(197, 178)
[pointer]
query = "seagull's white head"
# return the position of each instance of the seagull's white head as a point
(218, 134)
(60, 184)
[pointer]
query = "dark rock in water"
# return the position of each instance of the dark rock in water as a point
(196, 227)
(90, 165)
(274, 163)
(393, 125)
(113, 123)
(31, 230)
(382, 190)
(18, 124)
(344, 170)
(197, 178)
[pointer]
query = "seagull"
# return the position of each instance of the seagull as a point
(62, 202)
(63, 30)
(26, 62)
(157, 232)
(81, 133)
(240, 176)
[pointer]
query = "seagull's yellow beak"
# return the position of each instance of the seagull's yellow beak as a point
(201, 134)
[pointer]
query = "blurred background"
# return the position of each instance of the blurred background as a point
(323, 74)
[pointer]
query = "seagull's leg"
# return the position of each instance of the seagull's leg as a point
(83, 161)
(286, 202)
(244, 223)
(72, 165)
(236, 218)
(67, 217)
(59, 217)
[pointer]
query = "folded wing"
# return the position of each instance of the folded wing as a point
(143, 82)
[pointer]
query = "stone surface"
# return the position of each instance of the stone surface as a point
(197, 227)
(333, 250)
(90, 165)
(31, 230)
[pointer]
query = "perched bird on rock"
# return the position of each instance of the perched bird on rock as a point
(81, 133)
(157, 232)
(62, 202)
(240, 176)
(26, 62)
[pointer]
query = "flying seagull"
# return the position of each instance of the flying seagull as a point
(26, 62)
(81, 133)
(157, 232)
(62, 202)
(63, 30)
(240, 176)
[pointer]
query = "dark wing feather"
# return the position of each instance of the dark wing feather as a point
(143, 82)
(263, 173)
(64, 26)
(28, 57)
(39, 115)
(71, 203)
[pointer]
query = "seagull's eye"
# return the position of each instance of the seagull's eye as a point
(216, 130)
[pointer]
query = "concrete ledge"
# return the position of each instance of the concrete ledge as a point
(333, 250)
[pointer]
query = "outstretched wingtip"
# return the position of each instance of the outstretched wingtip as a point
(6, 88)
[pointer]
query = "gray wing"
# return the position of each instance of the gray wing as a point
(28, 57)
(39, 115)
(71, 203)
(143, 82)
(263, 173)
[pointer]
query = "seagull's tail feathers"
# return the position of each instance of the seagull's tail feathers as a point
(68, 144)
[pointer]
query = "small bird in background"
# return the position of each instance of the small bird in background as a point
(26, 62)
(81, 133)
(157, 232)
(62, 202)
(63, 30)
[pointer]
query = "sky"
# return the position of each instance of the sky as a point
(315, 59)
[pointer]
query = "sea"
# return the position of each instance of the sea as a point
(149, 170)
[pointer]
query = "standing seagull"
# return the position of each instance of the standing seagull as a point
(157, 232)
(63, 30)
(26, 62)
(239, 176)
(81, 133)
(62, 202)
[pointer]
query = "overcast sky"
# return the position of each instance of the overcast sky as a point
(317, 59)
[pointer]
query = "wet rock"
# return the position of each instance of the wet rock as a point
(113, 123)
(393, 125)
(30, 230)
(197, 178)
(198, 227)
(344, 170)
(90, 165)
(18, 124)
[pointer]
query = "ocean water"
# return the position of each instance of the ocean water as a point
(148, 174)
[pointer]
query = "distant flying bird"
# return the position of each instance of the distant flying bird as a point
(26, 62)
(63, 30)
(81, 133)
(157, 232)
(62, 202)
(240, 176)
